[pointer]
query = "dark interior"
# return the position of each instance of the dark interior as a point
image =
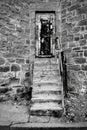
(45, 37)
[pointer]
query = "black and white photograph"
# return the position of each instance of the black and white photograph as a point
(43, 64)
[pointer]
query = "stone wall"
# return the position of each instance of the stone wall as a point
(74, 44)
(17, 48)
(17, 42)
(14, 44)
(51, 6)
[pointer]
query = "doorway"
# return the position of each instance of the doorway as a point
(45, 31)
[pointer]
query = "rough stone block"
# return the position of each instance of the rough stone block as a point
(75, 54)
(74, 67)
(80, 60)
(64, 20)
(81, 36)
(81, 75)
(63, 12)
(27, 31)
(27, 74)
(85, 53)
(85, 36)
(76, 48)
(67, 51)
(2, 61)
(82, 28)
(84, 47)
(11, 60)
(25, 67)
(64, 33)
(82, 42)
(85, 83)
(70, 38)
(4, 81)
(5, 7)
(76, 38)
(71, 44)
(19, 29)
(64, 44)
(27, 61)
(4, 69)
(63, 40)
(9, 55)
(3, 89)
(11, 26)
(5, 19)
(82, 10)
(78, 53)
(76, 29)
(65, 4)
(19, 61)
(28, 42)
(74, 7)
(68, 26)
(15, 67)
(84, 67)
(82, 22)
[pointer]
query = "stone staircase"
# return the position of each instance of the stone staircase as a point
(47, 95)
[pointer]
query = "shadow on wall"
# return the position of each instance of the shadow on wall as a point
(12, 89)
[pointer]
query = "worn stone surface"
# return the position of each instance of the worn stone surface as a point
(17, 47)
(14, 40)
(76, 60)
(13, 113)
(47, 94)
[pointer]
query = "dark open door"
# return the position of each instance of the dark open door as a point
(45, 29)
(45, 37)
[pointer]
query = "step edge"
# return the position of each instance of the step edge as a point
(50, 125)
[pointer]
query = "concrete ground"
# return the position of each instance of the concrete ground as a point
(13, 113)
(16, 117)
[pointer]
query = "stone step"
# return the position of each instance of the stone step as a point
(47, 87)
(36, 67)
(45, 120)
(48, 92)
(39, 64)
(42, 82)
(55, 81)
(46, 96)
(45, 72)
(46, 106)
(52, 113)
(46, 69)
(47, 77)
(45, 60)
(59, 101)
(46, 80)
(58, 84)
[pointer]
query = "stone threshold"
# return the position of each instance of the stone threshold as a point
(44, 56)
(39, 126)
